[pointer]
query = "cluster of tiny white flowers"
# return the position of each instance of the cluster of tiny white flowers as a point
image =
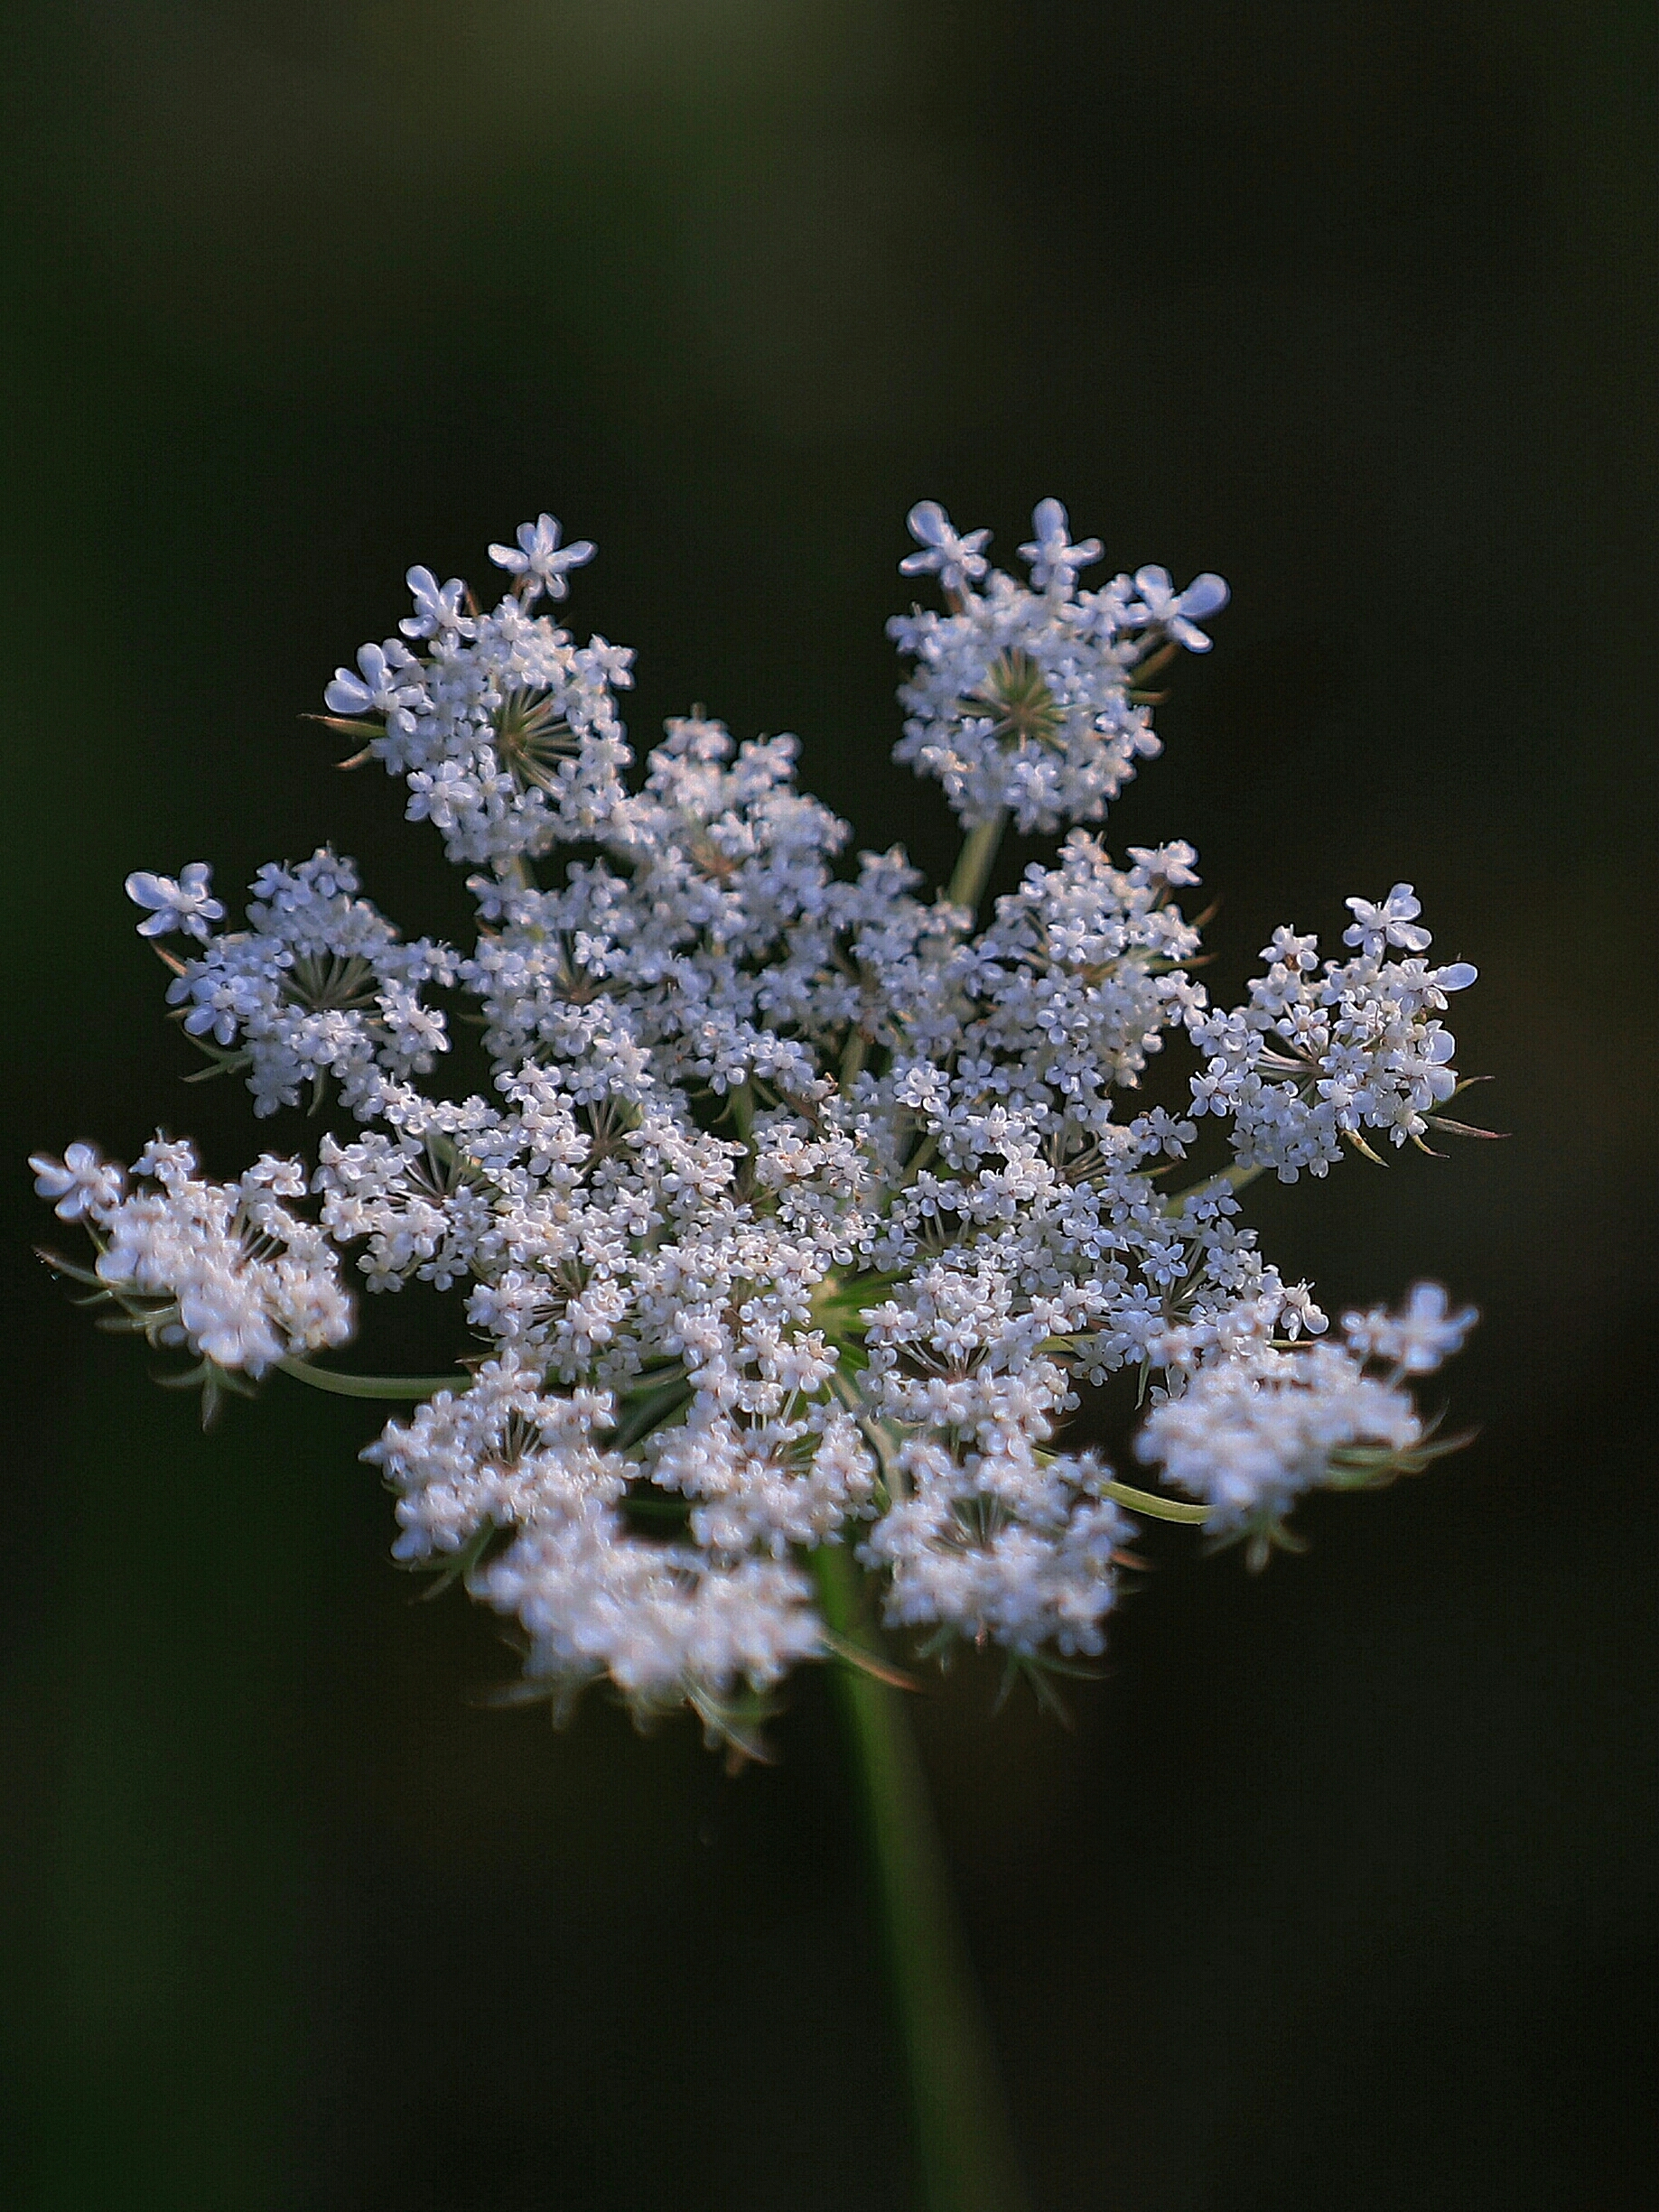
(804, 1211)
(223, 1270)
(1261, 1423)
(1027, 700)
(505, 729)
(318, 991)
(1325, 1051)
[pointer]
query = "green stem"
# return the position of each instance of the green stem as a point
(515, 871)
(1148, 1502)
(638, 1416)
(974, 862)
(965, 2149)
(740, 1107)
(374, 1385)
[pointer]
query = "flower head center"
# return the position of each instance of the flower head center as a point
(1015, 693)
(533, 736)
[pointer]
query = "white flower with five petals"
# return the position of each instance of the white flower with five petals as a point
(540, 559)
(186, 905)
(1162, 607)
(1054, 559)
(958, 559)
(1394, 921)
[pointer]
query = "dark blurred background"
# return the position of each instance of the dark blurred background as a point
(1340, 1892)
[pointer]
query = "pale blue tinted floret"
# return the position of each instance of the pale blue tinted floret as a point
(955, 558)
(539, 561)
(80, 1186)
(438, 607)
(377, 686)
(1393, 923)
(1158, 604)
(800, 1208)
(1055, 561)
(186, 905)
(1419, 1338)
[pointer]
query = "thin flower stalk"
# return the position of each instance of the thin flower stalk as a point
(805, 1207)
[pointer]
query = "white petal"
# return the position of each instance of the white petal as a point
(1204, 595)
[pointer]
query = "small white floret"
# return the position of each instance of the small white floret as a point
(956, 558)
(186, 905)
(80, 1186)
(1176, 612)
(1054, 559)
(1394, 922)
(1416, 1340)
(540, 559)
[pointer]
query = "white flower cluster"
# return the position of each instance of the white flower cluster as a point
(1325, 1053)
(319, 989)
(223, 1270)
(802, 1212)
(1027, 700)
(505, 729)
(1259, 1423)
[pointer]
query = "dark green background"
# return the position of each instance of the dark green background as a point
(1340, 1894)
